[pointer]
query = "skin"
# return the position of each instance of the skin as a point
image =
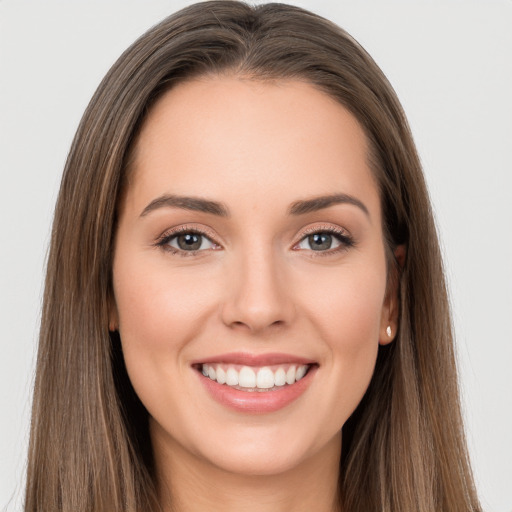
(257, 287)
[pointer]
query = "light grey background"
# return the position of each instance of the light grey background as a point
(451, 64)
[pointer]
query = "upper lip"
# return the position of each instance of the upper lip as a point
(247, 359)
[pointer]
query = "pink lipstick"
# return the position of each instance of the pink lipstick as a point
(252, 383)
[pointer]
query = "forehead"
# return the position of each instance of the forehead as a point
(226, 136)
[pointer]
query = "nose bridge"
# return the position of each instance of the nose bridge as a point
(257, 295)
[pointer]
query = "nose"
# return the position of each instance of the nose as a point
(257, 294)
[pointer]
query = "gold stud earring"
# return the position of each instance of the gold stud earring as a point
(388, 331)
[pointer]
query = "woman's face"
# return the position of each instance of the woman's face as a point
(250, 248)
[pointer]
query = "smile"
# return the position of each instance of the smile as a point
(247, 378)
(255, 383)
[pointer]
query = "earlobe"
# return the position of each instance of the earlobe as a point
(387, 336)
(113, 318)
(400, 253)
(113, 325)
(391, 309)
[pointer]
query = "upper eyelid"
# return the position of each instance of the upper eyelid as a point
(334, 229)
(319, 229)
(213, 237)
(172, 232)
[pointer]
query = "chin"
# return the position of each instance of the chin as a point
(269, 452)
(256, 461)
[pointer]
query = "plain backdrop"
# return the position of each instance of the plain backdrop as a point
(451, 65)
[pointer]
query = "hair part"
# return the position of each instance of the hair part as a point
(403, 447)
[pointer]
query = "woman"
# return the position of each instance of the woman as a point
(245, 306)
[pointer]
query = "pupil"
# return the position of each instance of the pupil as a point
(320, 241)
(189, 242)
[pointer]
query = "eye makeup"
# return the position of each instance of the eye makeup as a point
(190, 235)
(342, 237)
(187, 241)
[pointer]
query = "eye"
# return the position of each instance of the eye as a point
(319, 242)
(325, 240)
(189, 241)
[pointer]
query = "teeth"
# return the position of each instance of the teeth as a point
(247, 378)
(221, 375)
(265, 379)
(301, 371)
(231, 377)
(254, 378)
(290, 375)
(280, 377)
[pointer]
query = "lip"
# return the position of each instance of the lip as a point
(256, 402)
(246, 359)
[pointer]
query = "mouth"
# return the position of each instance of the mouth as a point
(255, 383)
(254, 378)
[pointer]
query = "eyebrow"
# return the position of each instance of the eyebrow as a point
(321, 202)
(198, 204)
(195, 204)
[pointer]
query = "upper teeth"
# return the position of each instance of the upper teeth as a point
(250, 377)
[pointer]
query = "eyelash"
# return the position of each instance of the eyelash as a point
(163, 241)
(345, 240)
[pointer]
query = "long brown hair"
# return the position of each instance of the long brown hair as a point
(403, 447)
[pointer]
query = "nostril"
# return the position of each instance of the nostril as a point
(256, 326)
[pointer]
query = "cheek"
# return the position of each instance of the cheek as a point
(156, 300)
(345, 309)
(346, 305)
(160, 312)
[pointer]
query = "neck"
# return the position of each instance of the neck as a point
(189, 483)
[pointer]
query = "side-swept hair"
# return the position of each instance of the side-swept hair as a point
(404, 446)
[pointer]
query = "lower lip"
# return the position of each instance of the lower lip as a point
(257, 401)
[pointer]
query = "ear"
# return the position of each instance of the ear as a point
(391, 307)
(113, 317)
